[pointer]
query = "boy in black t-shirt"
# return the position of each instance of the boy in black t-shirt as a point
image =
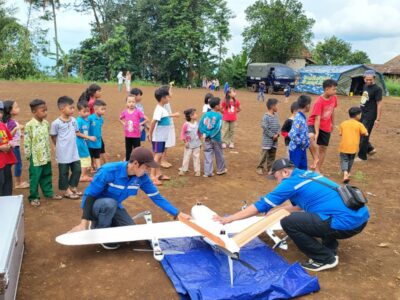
(371, 107)
(288, 125)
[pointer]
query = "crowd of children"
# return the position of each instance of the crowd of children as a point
(302, 133)
(80, 149)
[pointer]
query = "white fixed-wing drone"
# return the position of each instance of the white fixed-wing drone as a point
(227, 238)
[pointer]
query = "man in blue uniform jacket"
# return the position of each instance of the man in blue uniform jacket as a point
(317, 211)
(114, 183)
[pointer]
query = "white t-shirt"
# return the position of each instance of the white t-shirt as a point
(120, 78)
(206, 108)
(161, 130)
(66, 149)
(171, 141)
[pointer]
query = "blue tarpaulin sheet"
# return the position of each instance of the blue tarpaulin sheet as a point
(203, 272)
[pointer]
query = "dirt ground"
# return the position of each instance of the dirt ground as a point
(369, 263)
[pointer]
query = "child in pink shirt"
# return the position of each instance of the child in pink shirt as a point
(130, 118)
(190, 135)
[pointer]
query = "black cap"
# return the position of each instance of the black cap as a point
(143, 156)
(280, 164)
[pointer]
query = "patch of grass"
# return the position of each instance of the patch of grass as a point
(79, 80)
(393, 86)
(176, 182)
(360, 176)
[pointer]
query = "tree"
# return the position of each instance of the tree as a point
(233, 70)
(117, 49)
(176, 40)
(15, 47)
(221, 19)
(335, 51)
(358, 57)
(43, 4)
(278, 30)
(107, 13)
(98, 61)
(89, 61)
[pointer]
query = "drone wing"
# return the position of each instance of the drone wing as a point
(163, 230)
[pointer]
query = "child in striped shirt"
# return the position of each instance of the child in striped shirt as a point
(271, 128)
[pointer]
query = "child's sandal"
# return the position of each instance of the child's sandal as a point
(23, 185)
(163, 177)
(77, 193)
(71, 196)
(35, 202)
(86, 179)
(157, 182)
(56, 197)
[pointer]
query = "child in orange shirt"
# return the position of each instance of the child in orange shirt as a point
(351, 131)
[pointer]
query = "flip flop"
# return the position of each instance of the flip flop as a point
(86, 179)
(165, 165)
(346, 180)
(156, 182)
(35, 202)
(55, 197)
(77, 193)
(23, 185)
(71, 196)
(163, 177)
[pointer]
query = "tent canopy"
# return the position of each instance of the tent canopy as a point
(349, 79)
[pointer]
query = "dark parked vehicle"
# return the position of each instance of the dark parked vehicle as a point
(275, 75)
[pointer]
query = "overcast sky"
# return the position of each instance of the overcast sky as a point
(372, 26)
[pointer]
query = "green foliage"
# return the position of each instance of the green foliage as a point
(393, 86)
(15, 48)
(358, 57)
(99, 61)
(233, 70)
(116, 50)
(175, 40)
(334, 51)
(278, 30)
(89, 61)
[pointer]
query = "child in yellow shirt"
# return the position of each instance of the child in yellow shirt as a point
(351, 131)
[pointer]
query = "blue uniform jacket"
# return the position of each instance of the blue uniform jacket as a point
(316, 198)
(112, 181)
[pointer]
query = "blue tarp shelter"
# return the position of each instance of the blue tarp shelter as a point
(203, 273)
(349, 78)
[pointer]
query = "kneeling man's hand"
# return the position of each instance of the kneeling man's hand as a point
(83, 225)
(222, 220)
(183, 216)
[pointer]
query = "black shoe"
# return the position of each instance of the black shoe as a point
(312, 265)
(110, 246)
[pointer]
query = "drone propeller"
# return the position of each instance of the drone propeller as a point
(142, 214)
(246, 264)
(235, 256)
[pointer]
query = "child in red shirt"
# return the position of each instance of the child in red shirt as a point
(230, 107)
(7, 157)
(90, 95)
(320, 123)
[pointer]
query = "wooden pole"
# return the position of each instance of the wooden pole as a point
(212, 237)
(248, 234)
